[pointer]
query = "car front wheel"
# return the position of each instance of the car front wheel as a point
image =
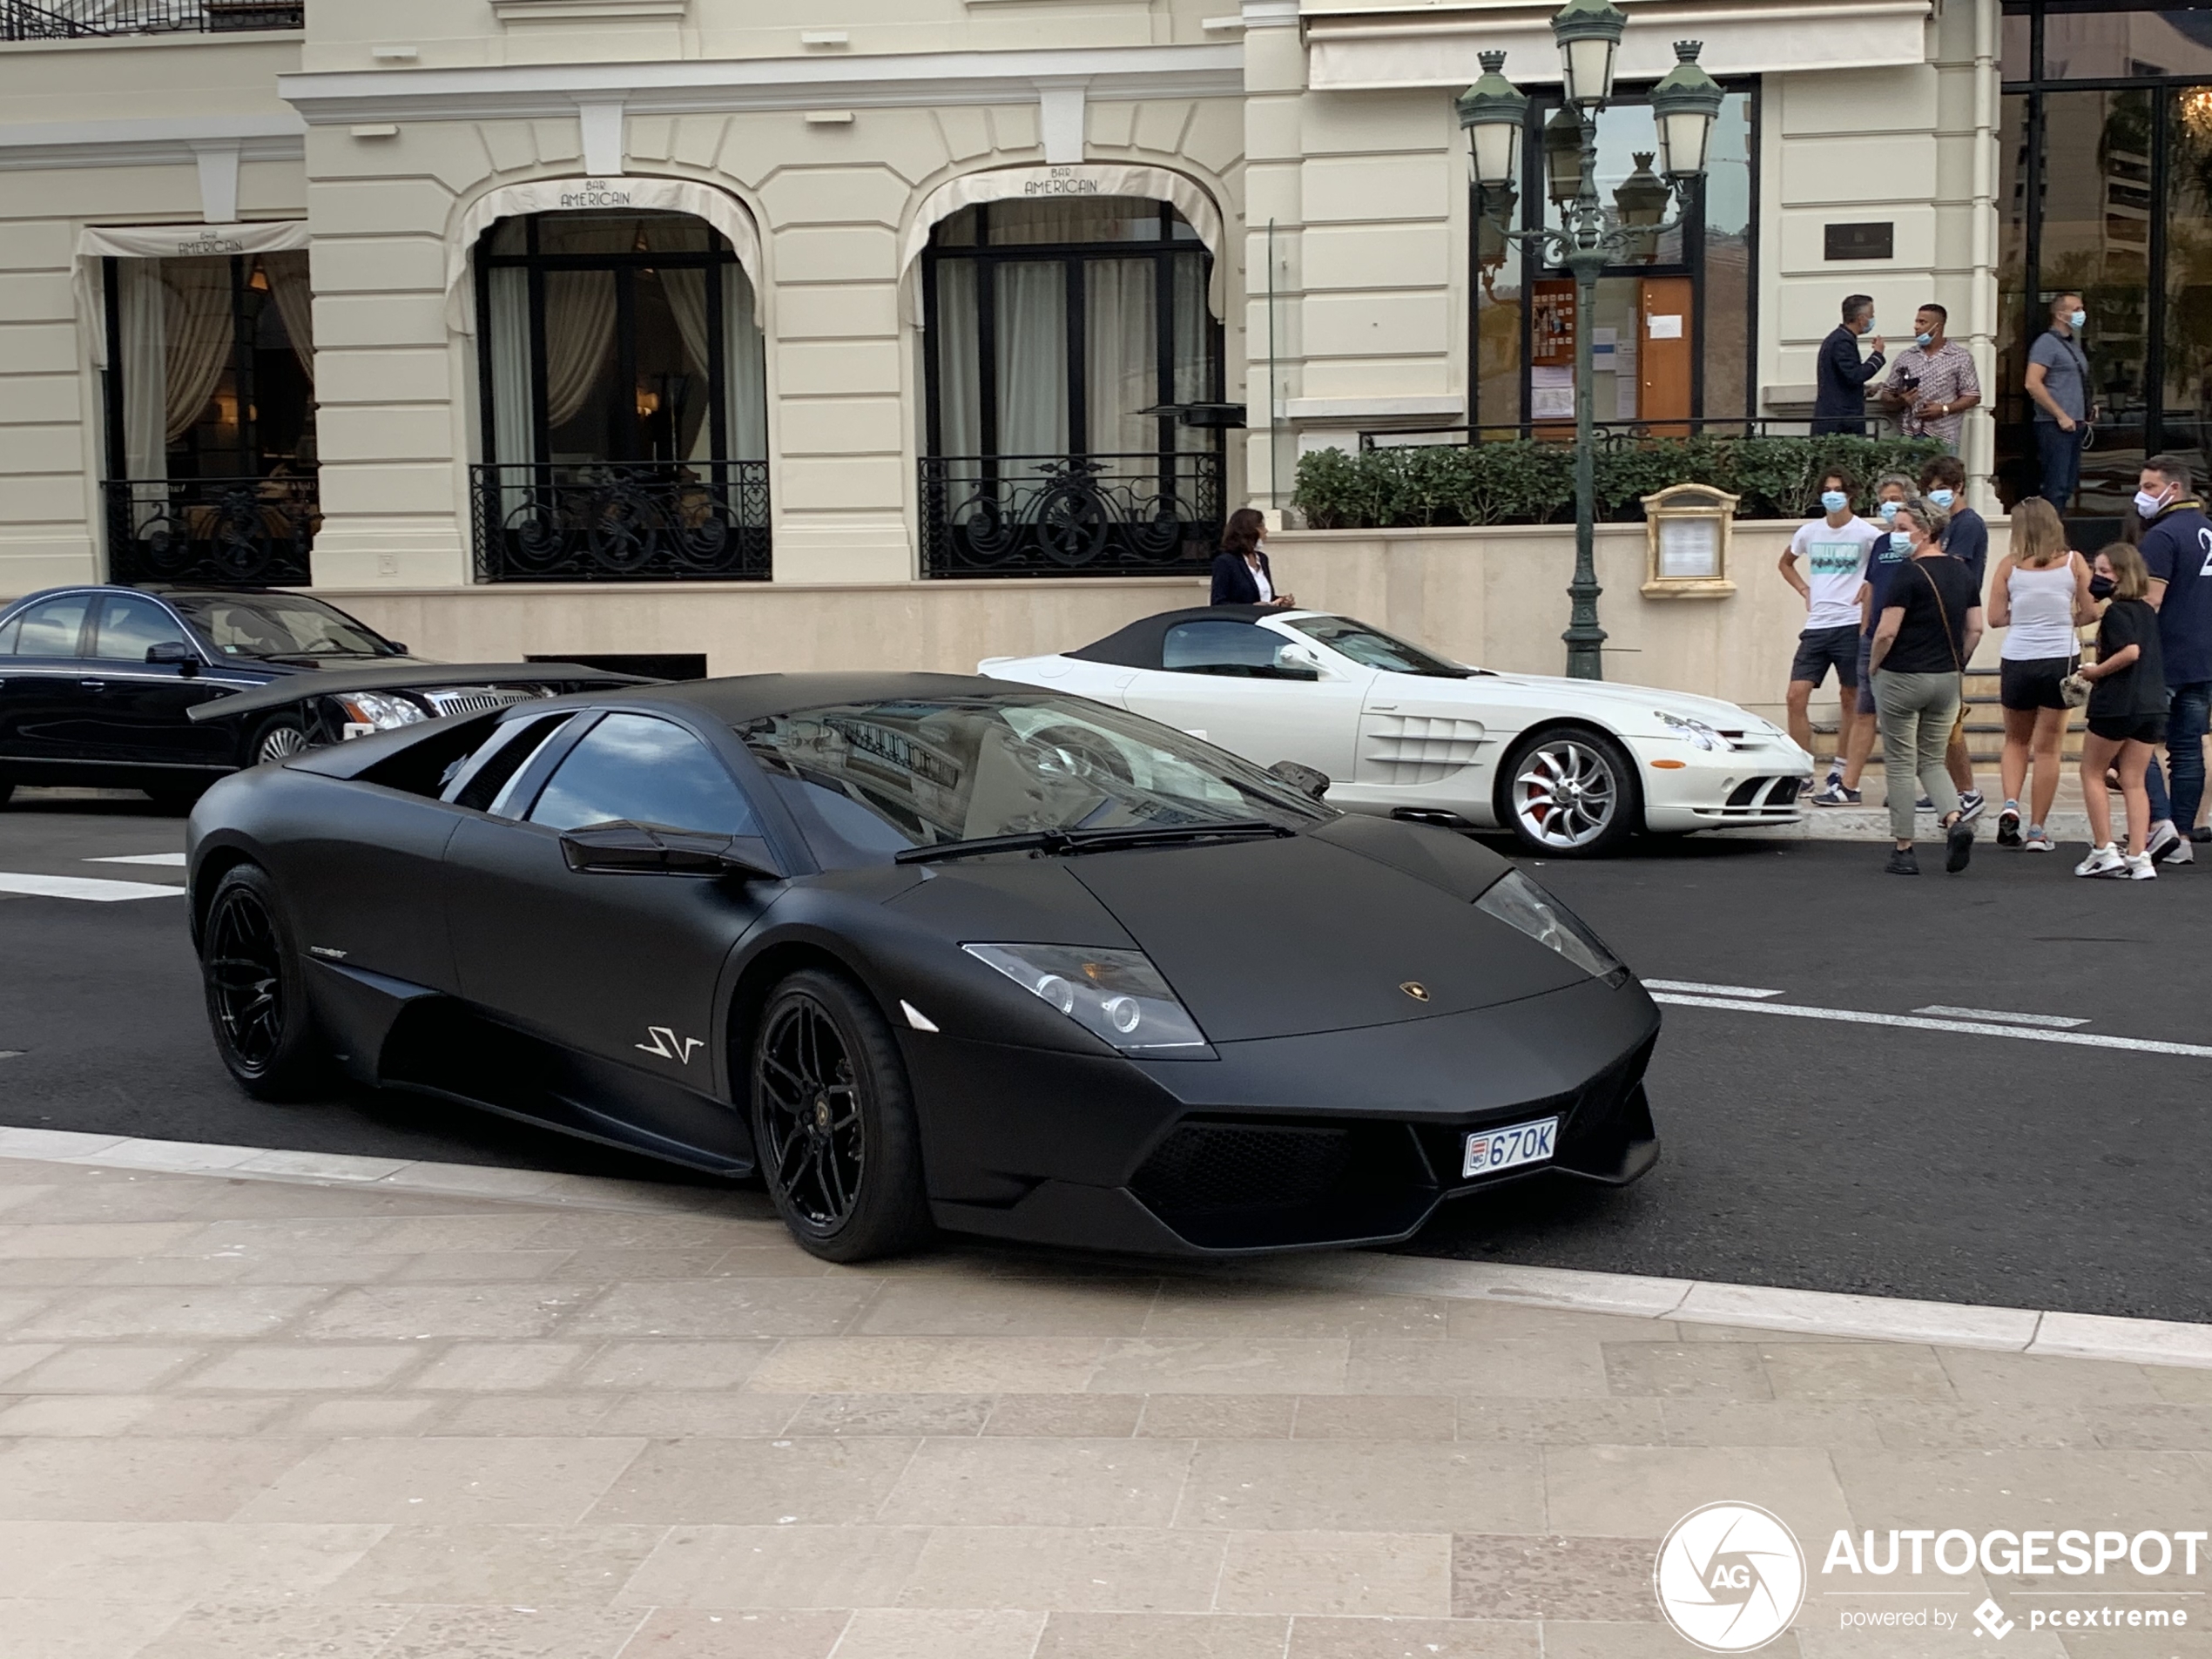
(256, 996)
(279, 739)
(833, 1122)
(1571, 793)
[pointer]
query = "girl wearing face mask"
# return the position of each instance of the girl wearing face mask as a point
(2041, 595)
(1932, 620)
(2127, 720)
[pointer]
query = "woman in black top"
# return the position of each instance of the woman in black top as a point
(1241, 573)
(1930, 622)
(2127, 719)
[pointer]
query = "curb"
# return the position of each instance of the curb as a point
(1873, 824)
(1828, 1313)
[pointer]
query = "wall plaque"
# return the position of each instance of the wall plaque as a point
(1876, 241)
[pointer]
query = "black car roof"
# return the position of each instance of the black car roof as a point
(747, 696)
(1139, 644)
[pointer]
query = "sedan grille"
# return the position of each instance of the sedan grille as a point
(475, 699)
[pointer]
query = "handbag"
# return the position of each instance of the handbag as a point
(1944, 611)
(2074, 690)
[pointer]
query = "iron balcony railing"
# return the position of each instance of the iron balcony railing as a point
(699, 520)
(227, 532)
(1615, 435)
(1094, 515)
(98, 19)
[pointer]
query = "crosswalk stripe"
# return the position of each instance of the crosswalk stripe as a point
(84, 887)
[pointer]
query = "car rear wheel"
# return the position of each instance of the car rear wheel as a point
(1571, 793)
(833, 1122)
(257, 997)
(279, 739)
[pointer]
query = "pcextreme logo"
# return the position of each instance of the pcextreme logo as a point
(1730, 1577)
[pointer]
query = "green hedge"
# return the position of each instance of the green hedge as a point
(1527, 482)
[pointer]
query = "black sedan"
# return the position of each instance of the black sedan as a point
(923, 952)
(99, 686)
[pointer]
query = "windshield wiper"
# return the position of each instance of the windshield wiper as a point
(1062, 842)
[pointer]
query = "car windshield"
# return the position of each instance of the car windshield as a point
(1372, 648)
(870, 780)
(278, 624)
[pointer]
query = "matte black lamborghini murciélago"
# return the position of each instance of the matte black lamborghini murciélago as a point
(924, 952)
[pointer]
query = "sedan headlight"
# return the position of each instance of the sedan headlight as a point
(1695, 732)
(368, 711)
(1115, 995)
(1519, 902)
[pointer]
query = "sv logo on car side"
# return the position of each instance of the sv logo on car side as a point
(666, 1044)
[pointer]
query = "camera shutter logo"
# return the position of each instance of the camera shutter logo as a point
(1730, 1577)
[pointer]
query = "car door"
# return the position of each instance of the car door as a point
(1232, 684)
(139, 710)
(619, 971)
(43, 703)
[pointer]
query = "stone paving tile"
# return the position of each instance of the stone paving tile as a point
(778, 1567)
(488, 1311)
(1855, 1371)
(1565, 1640)
(174, 1563)
(700, 1633)
(942, 1307)
(427, 1482)
(964, 1633)
(468, 1267)
(383, 1414)
(1089, 1417)
(72, 1240)
(1040, 1483)
(2036, 1379)
(795, 1482)
(892, 1414)
(1784, 1422)
(1093, 1568)
(1686, 1370)
(543, 1415)
(1393, 1575)
(120, 1368)
(1223, 1366)
(1570, 1421)
(1551, 1577)
(1911, 1425)
(1413, 1639)
(34, 1270)
(514, 1633)
(1976, 1490)
(670, 1363)
(1218, 1417)
(703, 1414)
(279, 1630)
(528, 1565)
(1376, 1417)
(933, 1364)
(1360, 1485)
(137, 1479)
(297, 1367)
(1155, 1636)
(1638, 1491)
(726, 1307)
(502, 1366)
(1528, 1366)
(214, 1312)
(50, 1629)
(1269, 1311)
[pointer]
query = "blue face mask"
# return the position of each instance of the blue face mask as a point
(2078, 320)
(1889, 511)
(1923, 341)
(1834, 500)
(1942, 497)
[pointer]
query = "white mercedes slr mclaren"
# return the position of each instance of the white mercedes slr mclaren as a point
(1574, 767)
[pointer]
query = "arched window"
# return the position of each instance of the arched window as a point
(1075, 407)
(625, 400)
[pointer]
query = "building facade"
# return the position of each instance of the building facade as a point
(770, 330)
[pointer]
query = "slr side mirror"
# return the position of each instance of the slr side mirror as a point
(175, 653)
(633, 849)
(1307, 780)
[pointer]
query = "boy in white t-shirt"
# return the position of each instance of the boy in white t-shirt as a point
(1835, 550)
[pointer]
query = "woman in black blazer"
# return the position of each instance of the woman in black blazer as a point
(1241, 573)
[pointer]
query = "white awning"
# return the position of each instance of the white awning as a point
(191, 241)
(1379, 48)
(1185, 195)
(629, 193)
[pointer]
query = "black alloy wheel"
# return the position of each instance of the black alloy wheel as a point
(833, 1122)
(256, 1002)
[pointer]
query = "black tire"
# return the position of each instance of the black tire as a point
(1570, 792)
(833, 1122)
(257, 997)
(6, 790)
(278, 738)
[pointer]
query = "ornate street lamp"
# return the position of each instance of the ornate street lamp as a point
(1684, 105)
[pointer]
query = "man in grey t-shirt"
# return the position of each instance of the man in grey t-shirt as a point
(2057, 381)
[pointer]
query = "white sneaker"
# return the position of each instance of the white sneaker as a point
(2162, 841)
(2182, 852)
(2107, 861)
(2140, 868)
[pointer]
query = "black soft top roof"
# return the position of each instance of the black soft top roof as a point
(1139, 644)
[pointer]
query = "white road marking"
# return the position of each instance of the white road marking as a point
(1911, 1023)
(168, 861)
(2058, 1021)
(1705, 990)
(83, 887)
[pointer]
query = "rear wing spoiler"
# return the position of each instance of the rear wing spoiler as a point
(305, 687)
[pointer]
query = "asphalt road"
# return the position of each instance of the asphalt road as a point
(1808, 1153)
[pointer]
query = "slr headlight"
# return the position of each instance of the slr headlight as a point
(1519, 902)
(1695, 732)
(1116, 996)
(368, 711)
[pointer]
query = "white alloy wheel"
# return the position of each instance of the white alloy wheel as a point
(1568, 795)
(279, 743)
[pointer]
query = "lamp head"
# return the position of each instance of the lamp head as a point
(1684, 105)
(1563, 155)
(1495, 114)
(1589, 33)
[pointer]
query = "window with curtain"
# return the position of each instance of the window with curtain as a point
(212, 373)
(619, 338)
(1068, 327)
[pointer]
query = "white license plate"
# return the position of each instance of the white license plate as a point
(1492, 1150)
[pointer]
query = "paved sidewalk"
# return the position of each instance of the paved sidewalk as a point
(249, 1418)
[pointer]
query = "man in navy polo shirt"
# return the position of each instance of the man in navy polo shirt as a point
(2177, 549)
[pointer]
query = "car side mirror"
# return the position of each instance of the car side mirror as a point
(174, 653)
(398, 649)
(1296, 663)
(633, 849)
(1307, 780)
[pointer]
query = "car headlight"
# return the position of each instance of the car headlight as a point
(1116, 996)
(1519, 902)
(1695, 732)
(368, 711)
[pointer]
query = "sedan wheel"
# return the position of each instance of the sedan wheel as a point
(256, 1002)
(1571, 794)
(833, 1122)
(279, 740)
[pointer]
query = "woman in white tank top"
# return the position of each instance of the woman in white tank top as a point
(2041, 595)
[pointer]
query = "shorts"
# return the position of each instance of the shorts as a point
(1820, 648)
(2033, 683)
(1866, 674)
(2129, 728)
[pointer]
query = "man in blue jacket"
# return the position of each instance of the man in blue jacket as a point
(1839, 402)
(2177, 550)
